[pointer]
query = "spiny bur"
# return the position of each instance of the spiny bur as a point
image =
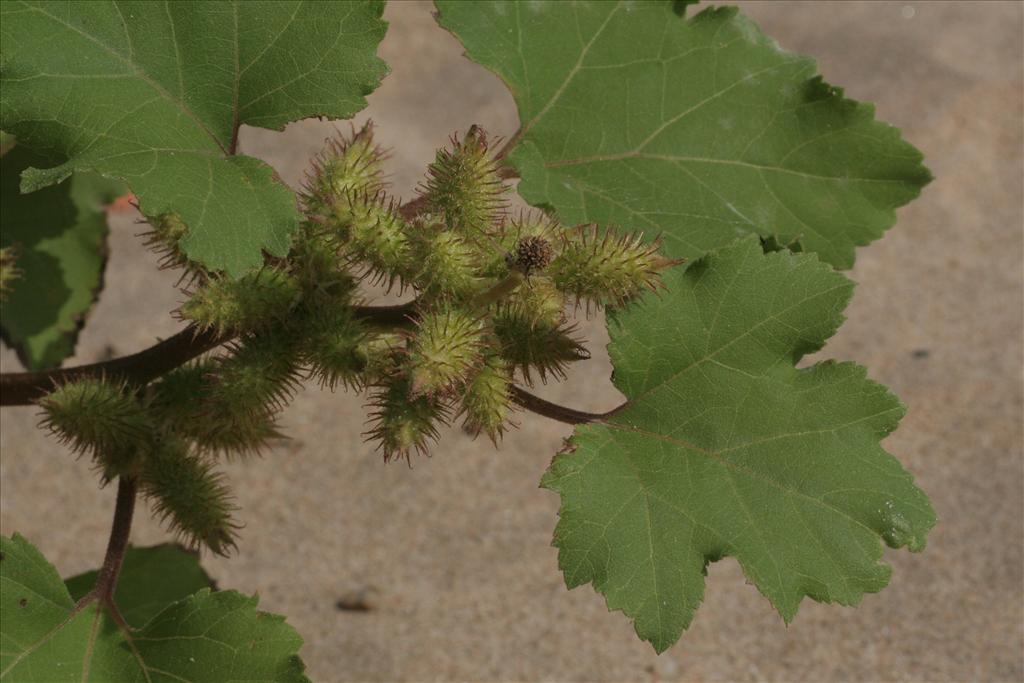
(340, 349)
(239, 435)
(486, 403)
(602, 269)
(401, 422)
(229, 404)
(320, 270)
(252, 303)
(261, 372)
(370, 232)
(532, 346)
(101, 418)
(189, 496)
(176, 399)
(345, 166)
(184, 403)
(537, 301)
(532, 224)
(464, 186)
(446, 346)
(447, 262)
(164, 238)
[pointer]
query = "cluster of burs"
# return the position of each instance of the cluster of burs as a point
(489, 293)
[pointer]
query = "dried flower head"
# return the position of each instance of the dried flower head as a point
(531, 254)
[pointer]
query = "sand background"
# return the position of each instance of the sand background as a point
(456, 551)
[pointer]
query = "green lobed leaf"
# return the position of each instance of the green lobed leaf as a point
(153, 93)
(724, 448)
(207, 636)
(700, 129)
(60, 238)
(151, 579)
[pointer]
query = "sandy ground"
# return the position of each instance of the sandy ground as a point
(456, 551)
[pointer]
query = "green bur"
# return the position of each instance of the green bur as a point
(252, 303)
(103, 419)
(190, 496)
(402, 423)
(446, 346)
(486, 403)
(464, 186)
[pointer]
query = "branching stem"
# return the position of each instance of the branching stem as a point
(22, 388)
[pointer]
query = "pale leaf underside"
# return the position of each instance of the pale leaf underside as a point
(725, 448)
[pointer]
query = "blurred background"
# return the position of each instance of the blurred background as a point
(453, 555)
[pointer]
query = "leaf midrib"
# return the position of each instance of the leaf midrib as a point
(572, 71)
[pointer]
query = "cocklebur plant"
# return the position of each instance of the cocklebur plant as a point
(691, 180)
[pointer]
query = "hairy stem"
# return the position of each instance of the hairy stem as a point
(23, 388)
(120, 530)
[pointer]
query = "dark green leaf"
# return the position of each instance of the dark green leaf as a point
(700, 129)
(215, 637)
(153, 93)
(151, 579)
(725, 448)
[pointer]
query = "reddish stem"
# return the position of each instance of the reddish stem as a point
(23, 388)
(120, 530)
